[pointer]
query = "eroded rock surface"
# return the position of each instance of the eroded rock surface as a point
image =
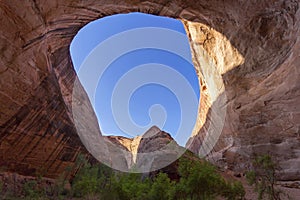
(246, 54)
(251, 89)
(153, 150)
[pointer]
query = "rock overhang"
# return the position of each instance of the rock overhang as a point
(35, 60)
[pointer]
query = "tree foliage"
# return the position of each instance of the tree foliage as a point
(263, 176)
(199, 180)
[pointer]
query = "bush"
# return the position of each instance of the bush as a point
(132, 187)
(86, 182)
(200, 180)
(1, 186)
(162, 188)
(92, 180)
(263, 176)
(233, 190)
(31, 190)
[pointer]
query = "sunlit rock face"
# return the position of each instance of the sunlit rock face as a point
(246, 54)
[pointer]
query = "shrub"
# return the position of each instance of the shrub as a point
(162, 188)
(133, 186)
(200, 180)
(31, 190)
(233, 190)
(263, 176)
(1, 186)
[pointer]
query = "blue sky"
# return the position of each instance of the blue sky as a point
(159, 98)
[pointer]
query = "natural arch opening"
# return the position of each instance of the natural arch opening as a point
(213, 55)
(142, 57)
(153, 53)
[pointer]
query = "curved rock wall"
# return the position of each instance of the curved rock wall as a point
(250, 91)
(246, 54)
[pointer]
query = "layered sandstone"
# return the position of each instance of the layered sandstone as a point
(246, 54)
(148, 152)
(250, 85)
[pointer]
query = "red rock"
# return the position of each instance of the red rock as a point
(245, 54)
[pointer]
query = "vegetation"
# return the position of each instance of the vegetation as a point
(199, 181)
(1, 186)
(263, 176)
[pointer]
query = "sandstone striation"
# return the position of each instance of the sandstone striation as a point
(246, 54)
(250, 88)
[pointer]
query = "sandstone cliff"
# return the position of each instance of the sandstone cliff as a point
(246, 54)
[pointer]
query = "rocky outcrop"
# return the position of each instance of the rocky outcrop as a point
(148, 152)
(245, 54)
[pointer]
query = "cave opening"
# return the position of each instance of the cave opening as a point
(137, 71)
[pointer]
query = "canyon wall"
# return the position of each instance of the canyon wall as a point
(246, 54)
(249, 77)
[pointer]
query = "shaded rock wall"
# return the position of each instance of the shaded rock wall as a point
(257, 94)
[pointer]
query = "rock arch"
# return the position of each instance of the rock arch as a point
(252, 46)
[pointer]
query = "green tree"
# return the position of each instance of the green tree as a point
(200, 180)
(31, 190)
(1, 186)
(91, 179)
(133, 187)
(263, 176)
(232, 190)
(86, 182)
(162, 188)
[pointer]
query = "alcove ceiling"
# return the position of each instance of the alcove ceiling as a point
(246, 54)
